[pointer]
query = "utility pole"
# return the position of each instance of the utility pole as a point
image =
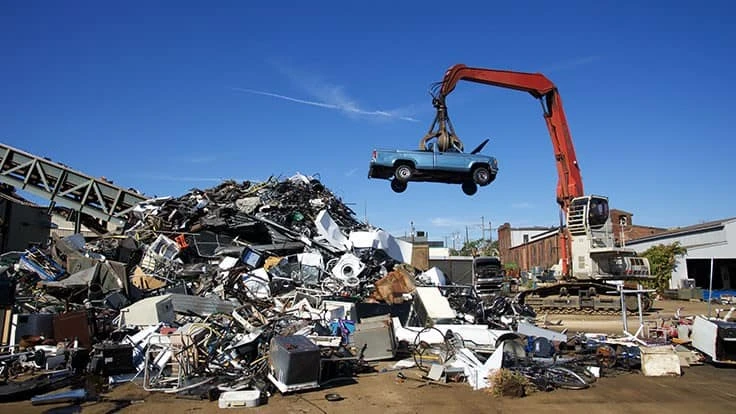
(483, 228)
(490, 232)
(467, 238)
(622, 225)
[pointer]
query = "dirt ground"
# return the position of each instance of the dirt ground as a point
(702, 388)
(614, 324)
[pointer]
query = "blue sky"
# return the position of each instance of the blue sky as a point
(161, 97)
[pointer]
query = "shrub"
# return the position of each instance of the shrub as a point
(663, 261)
(508, 383)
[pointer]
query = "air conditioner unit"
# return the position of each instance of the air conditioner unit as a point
(294, 363)
(149, 311)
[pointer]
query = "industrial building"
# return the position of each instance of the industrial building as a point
(707, 243)
(436, 247)
(62, 227)
(624, 229)
(23, 224)
(459, 269)
(527, 247)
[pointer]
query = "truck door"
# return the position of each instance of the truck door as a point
(450, 160)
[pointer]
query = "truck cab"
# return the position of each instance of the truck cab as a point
(488, 276)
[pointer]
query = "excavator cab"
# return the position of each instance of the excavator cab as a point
(587, 214)
(594, 252)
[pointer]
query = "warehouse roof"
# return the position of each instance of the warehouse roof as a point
(681, 231)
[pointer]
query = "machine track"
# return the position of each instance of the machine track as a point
(580, 298)
(581, 311)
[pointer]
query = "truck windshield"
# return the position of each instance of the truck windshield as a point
(487, 267)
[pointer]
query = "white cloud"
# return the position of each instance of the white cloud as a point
(343, 106)
(328, 96)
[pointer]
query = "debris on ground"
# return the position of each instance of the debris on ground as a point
(245, 289)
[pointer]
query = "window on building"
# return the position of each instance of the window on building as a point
(526, 238)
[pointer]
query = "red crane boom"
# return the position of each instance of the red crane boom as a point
(570, 181)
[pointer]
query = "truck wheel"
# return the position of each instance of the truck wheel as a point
(482, 176)
(646, 303)
(398, 186)
(403, 172)
(470, 188)
(632, 304)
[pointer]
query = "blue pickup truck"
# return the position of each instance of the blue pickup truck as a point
(452, 167)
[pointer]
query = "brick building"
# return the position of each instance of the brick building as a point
(527, 247)
(622, 220)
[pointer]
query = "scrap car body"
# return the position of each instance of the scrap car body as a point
(431, 165)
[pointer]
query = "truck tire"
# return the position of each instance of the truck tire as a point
(470, 188)
(403, 172)
(632, 304)
(482, 175)
(398, 186)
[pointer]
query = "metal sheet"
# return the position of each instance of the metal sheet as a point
(528, 329)
(432, 307)
(200, 305)
(377, 335)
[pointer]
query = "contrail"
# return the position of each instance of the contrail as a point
(344, 108)
(288, 98)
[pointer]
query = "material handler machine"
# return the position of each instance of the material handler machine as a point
(588, 254)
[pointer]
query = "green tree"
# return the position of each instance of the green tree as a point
(478, 247)
(663, 261)
(494, 246)
(511, 268)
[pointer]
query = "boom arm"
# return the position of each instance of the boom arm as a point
(570, 184)
(570, 181)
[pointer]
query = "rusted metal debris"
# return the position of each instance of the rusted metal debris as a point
(194, 293)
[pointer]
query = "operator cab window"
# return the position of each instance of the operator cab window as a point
(597, 212)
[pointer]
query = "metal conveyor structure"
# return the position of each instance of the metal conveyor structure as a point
(60, 184)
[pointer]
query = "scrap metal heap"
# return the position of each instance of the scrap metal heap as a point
(239, 290)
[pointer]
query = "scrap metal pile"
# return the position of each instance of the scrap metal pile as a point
(240, 290)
